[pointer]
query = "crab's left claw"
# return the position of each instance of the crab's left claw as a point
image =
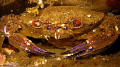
(105, 35)
(91, 45)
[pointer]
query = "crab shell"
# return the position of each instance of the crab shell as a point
(62, 22)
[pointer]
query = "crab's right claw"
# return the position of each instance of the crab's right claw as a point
(22, 42)
(97, 40)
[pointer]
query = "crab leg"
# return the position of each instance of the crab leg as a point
(93, 42)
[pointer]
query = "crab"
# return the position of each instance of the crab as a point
(61, 23)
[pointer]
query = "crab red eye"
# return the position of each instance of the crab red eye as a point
(78, 22)
(33, 23)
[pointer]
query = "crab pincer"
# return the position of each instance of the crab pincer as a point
(90, 45)
(96, 41)
(24, 43)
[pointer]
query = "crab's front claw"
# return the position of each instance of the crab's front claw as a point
(92, 44)
(22, 42)
(79, 50)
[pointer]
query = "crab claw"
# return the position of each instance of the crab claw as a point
(81, 48)
(22, 42)
(92, 44)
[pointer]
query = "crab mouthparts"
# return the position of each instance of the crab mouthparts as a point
(57, 34)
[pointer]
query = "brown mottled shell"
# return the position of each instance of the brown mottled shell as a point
(66, 13)
(62, 15)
